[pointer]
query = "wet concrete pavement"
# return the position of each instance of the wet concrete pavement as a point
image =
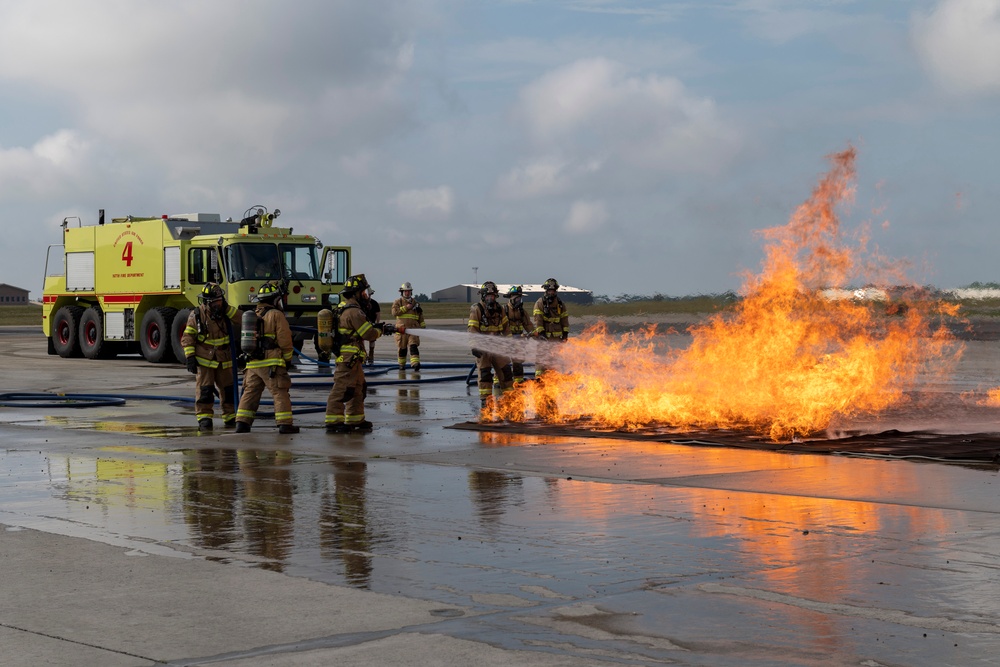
(132, 540)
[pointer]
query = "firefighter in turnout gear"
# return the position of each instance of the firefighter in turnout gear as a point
(207, 347)
(345, 406)
(520, 325)
(488, 318)
(269, 366)
(551, 318)
(409, 317)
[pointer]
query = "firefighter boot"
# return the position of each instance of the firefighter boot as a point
(205, 424)
(242, 427)
(229, 423)
(486, 413)
(363, 425)
(287, 429)
(337, 428)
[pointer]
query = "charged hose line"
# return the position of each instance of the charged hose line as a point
(48, 400)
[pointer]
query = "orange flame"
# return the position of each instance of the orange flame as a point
(784, 361)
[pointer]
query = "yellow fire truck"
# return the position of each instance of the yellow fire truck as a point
(128, 286)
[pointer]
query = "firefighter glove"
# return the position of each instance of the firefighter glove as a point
(192, 364)
(477, 353)
(390, 328)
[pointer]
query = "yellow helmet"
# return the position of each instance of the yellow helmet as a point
(355, 285)
(211, 292)
(268, 292)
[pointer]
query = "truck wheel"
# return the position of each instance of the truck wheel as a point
(154, 335)
(177, 330)
(92, 343)
(66, 331)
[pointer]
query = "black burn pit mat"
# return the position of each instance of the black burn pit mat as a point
(969, 448)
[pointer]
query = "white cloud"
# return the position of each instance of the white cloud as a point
(782, 21)
(595, 109)
(427, 204)
(586, 216)
(54, 163)
(959, 44)
(517, 58)
(544, 176)
(234, 87)
(63, 148)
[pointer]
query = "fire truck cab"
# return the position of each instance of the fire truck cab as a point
(129, 285)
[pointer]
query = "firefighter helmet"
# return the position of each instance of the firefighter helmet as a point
(550, 284)
(354, 285)
(269, 292)
(211, 292)
(405, 287)
(489, 287)
(515, 290)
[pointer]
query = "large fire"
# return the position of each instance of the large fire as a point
(784, 361)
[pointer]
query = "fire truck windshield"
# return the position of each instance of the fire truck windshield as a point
(253, 261)
(267, 261)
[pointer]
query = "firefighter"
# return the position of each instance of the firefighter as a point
(487, 318)
(269, 366)
(207, 348)
(409, 316)
(551, 318)
(345, 406)
(374, 313)
(520, 325)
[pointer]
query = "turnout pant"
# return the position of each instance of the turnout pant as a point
(254, 382)
(489, 363)
(517, 366)
(404, 341)
(346, 402)
(204, 399)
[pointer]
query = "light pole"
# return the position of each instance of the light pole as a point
(475, 274)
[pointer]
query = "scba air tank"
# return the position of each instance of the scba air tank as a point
(248, 332)
(324, 327)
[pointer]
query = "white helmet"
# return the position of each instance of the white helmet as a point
(405, 287)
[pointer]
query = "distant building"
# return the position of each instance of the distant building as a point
(468, 293)
(13, 296)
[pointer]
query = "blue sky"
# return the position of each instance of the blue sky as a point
(623, 147)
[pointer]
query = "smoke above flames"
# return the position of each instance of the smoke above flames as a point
(783, 361)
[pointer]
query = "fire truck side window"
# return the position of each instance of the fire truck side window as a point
(336, 266)
(300, 261)
(198, 265)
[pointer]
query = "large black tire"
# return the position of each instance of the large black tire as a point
(66, 331)
(154, 335)
(177, 330)
(92, 343)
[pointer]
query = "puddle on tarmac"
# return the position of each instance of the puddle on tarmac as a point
(441, 531)
(539, 547)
